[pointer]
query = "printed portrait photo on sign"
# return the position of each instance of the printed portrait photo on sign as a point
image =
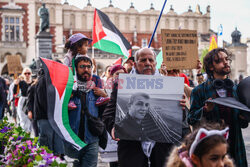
(148, 108)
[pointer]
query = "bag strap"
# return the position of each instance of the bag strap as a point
(85, 109)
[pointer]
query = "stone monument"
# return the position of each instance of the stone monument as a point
(43, 37)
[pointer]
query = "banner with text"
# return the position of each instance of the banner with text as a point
(148, 108)
(14, 64)
(179, 48)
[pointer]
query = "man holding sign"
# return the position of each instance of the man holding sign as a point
(132, 152)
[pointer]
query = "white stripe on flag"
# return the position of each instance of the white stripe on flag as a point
(59, 121)
(113, 37)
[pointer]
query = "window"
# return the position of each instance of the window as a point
(144, 42)
(12, 28)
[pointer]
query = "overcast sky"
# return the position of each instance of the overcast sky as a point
(229, 13)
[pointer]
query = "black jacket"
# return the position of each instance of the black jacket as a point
(3, 88)
(40, 99)
(31, 98)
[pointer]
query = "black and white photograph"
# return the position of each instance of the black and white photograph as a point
(148, 108)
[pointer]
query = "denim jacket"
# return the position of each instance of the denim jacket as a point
(75, 115)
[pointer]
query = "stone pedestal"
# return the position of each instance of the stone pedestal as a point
(44, 45)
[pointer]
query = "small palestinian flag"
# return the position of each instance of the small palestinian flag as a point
(59, 83)
(118, 61)
(107, 37)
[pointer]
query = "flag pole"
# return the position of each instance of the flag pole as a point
(93, 52)
(152, 37)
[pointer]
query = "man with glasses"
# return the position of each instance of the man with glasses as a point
(217, 67)
(86, 95)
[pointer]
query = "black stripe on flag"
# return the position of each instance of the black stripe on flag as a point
(109, 25)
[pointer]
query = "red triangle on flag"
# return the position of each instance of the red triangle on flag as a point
(130, 53)
(98, 32)
(118, 61)
(58, 73)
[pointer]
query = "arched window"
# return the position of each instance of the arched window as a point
(127, 23)
(117, 21)
(72, 21)
(177, 24)
(147, 24)
(205, 29)
(52, 15)
(186, 24)
(84, 21)
(167, 24)
(196, 25)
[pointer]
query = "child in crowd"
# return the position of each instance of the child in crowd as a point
(77, 44)
(205, 147)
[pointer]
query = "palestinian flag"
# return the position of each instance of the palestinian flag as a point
(59, 83)
(107, 37)
(118, 61)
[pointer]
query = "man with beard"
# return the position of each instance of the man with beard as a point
(87, 93)
(217, 67)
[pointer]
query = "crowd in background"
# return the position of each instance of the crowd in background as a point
(24, 100)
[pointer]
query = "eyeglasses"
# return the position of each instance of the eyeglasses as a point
(85, 66)
(27, 73)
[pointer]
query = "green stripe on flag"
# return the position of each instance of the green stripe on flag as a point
(65, 116)
(159, 60)
(109, 46)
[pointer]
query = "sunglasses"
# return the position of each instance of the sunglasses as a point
(85, 66)
(27, 73)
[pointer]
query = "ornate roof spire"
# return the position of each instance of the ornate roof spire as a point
(89, 4)
(110, 3)
(189, 9)
(198, 9)
(171, 8)
(236, 35)
(152, 6)
(66, 2)
(132, 5)
(208, 9)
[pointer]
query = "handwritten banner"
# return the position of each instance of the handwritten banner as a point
(14, 64)
(180, 48)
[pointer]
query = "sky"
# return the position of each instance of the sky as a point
(229, 13)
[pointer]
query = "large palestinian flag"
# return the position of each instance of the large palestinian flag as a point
(107, 37)
(59, 83)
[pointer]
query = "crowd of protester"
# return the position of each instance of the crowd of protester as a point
(211, 133)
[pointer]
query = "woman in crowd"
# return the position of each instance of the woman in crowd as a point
(204, 147)
(30, 105)
(23, 85)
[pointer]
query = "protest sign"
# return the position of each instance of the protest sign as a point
(148, 108)
(180, 48)
(14, 64)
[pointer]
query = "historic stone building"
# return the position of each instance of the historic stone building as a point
(239, 56)
(19, 24)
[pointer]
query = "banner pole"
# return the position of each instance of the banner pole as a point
(152, 37)
(93, 52)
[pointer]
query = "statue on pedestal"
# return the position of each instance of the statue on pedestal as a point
(44, 18)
